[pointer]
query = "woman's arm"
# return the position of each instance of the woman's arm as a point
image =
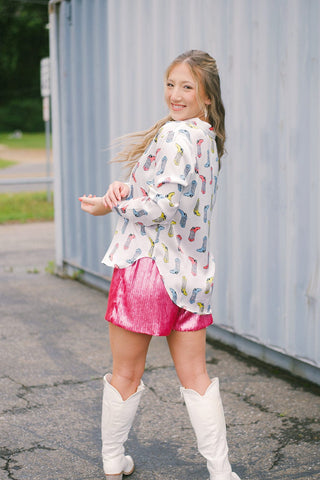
(100, 205)
(161, 198)
(94, 205)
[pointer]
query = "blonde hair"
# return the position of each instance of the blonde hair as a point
(204, 69)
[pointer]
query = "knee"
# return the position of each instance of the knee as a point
(126, 381)
(195, 379)
(128, 375)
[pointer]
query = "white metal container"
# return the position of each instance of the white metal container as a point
(108, 59)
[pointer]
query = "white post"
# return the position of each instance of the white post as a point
(56, 147)
(46, 118)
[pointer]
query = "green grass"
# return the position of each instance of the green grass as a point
(6, 163)
(28, 140)
(25, 207)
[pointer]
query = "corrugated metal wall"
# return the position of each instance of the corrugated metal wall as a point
(109, 57)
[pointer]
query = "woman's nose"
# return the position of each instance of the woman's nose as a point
(176, 93)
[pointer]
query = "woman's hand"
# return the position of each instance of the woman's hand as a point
(94, 205)
(116, 192)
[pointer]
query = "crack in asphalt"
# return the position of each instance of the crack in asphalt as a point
(212, 361)
(265, 369)
(293, 431)
(24, 390)
(248, 400)
(55, 384)
(161, 398)
(159, 367)
(11, 464)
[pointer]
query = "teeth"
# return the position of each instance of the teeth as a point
(177, 107)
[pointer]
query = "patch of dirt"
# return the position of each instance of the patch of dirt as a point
(20, 155)
(30, 163)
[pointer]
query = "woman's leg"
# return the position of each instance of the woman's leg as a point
(202, 398)
(188, 351)
(121, 396)
(129, 352)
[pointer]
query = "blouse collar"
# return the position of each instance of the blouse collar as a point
(196, 122)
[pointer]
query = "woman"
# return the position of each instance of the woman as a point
(163, 268)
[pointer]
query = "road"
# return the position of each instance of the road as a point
(53, 353)
(30, 163)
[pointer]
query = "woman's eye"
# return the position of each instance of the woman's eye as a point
(188, 87)
(169, 84)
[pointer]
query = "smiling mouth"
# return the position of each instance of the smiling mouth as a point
(176, 107)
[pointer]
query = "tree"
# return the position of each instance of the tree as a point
(24, 40)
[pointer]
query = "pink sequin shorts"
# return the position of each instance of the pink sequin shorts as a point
(139, 302)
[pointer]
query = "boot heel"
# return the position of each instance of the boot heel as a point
(131, 471)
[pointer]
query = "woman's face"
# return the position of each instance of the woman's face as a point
(181, 94)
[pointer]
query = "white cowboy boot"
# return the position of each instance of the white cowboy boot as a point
(117, 419)
(207, 419)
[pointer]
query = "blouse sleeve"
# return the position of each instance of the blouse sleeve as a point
(173, 167)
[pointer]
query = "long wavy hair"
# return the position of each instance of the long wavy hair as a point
(204, 69)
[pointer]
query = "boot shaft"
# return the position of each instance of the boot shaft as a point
(116, 422)
(207, 419)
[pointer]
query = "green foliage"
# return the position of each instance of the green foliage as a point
(51, 267)
(77, 274)
(6, 163)
(33, 270)
(22, 114)
(28, 140)
(25, 206)
(24, 41)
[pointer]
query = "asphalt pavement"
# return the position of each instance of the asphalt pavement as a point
(53, 353)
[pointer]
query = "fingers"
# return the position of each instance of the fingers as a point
(85, 207)
(86, 203)
(113, 195)
(90, 199)
(125, 190)
(116, 192)
(90, 204)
